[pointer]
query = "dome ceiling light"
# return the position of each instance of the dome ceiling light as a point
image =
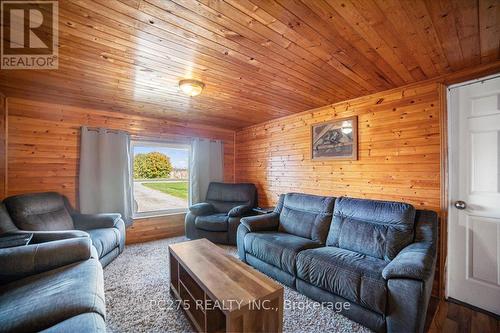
(191, 87)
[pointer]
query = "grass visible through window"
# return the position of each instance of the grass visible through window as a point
(177, 189)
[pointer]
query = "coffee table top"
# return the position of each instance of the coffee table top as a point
(224, 278)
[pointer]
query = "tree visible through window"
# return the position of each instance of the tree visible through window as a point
(160, 177)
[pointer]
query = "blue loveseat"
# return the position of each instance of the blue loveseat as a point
(378, 256)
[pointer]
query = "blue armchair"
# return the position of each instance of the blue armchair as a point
(217, 218)
(49, 216)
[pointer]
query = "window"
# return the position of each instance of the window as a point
(160, 178)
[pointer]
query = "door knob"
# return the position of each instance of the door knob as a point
(460, 204)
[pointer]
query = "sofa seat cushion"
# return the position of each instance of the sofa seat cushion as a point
(44, 300)
(104, 240)
(214, 222)
(277, 248)
(353, 276)
(87, 322)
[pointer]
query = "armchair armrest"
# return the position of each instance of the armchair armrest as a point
(239, 210)
(265, 222)
(416, 261)
(202, 208)
(95, 221)
(22, 261)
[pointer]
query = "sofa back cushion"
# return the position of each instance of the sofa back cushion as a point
(39, 211)
(226, 196)
(6, 224)
(376, 228)
(306, 215)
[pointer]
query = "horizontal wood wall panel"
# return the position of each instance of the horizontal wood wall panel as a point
(44, 142)
(399, 151)
(399, 143)
(148, 229)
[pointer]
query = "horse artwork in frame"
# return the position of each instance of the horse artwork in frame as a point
(335, 140)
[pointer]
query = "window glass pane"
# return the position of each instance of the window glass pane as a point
(161, 177)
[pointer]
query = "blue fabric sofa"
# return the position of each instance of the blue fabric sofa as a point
(377, 256)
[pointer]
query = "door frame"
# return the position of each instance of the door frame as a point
(448, 123)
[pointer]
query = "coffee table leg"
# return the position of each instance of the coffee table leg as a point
(269, 320)
(234, 323)
(274, 322)
(280, 312)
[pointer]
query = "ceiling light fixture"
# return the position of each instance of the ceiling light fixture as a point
(191, 87)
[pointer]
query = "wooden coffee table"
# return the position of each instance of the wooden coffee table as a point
(220, 293)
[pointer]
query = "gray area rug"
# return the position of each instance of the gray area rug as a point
(138, 298)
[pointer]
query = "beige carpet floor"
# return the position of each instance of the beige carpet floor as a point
(138, 300)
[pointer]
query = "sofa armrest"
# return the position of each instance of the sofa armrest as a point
(49, 236)
(202, 208)
(22, 261)
(95, 221)
(239, 210)
(416, 261)
(265, 222)
(410, 276)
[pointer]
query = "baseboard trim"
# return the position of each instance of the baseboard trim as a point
(472, 307)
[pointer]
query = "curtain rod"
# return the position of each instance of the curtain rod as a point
(160, 139)
(211, 140)
(97, 129)
(184, 139)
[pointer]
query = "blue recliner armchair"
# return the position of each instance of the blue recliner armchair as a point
(218, 218)
(50, 212)
(54, 284)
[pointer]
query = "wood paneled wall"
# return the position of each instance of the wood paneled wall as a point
(399, 151)
(399, 144)
(44, 143)
(152, 228)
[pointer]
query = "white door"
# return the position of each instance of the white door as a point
(473, 273)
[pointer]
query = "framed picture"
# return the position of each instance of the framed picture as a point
(335, 140)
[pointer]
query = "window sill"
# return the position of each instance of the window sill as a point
(155, 215)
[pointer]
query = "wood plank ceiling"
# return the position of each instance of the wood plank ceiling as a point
(259, 59)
